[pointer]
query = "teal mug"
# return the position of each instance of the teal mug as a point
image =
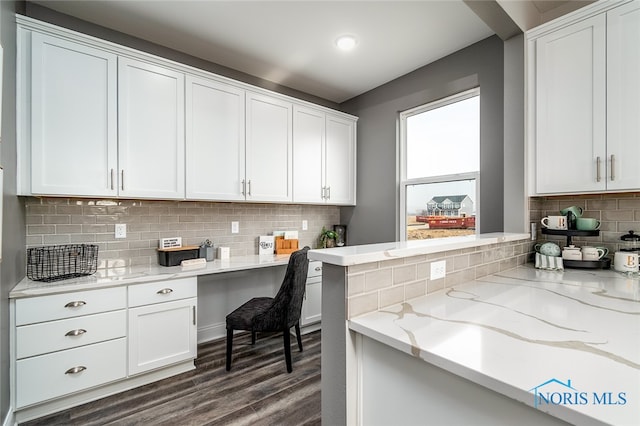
(587, 224)
(577, 211)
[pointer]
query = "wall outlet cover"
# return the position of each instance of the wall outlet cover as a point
(121, 230)
(438, 269)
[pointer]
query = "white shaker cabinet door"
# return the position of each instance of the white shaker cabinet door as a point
(340, 164)
(73, 119)
(570, 108)
(215, 129)
(268, 149)
(623, 92)
(151, 130)
(162, 334)
(308, 155)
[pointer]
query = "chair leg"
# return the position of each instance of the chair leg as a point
(229, 347)
(298, 336)
(287, 349)
(253, 337)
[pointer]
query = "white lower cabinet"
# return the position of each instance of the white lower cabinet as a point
(59, 373)
(99, 341)
(162, 324)
(312, 305)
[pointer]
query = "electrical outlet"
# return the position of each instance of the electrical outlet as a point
(235, 227)
(305, 225)
(121, 230)
(438, 269)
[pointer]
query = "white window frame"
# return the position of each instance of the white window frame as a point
(403, 182)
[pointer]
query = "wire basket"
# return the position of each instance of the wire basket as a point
(62, 262)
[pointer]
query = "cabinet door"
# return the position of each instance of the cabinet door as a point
(623, 96)
(215, 140)
(308, 155)
(151, 131)
(570, 108)
(312, 306)
(340, 163)
(269, 150)
(73, 119)
(161, 334)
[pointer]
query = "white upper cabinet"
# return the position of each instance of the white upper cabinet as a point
(570, 107)
(215, 129)
(309, 136)
(623, 96)
(584, 86)
(268, 149)
(151, 130)
(340, 165)
(73, 118)
(324, 157)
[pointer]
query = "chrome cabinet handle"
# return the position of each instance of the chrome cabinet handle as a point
(244, 187)
(249, 186)
(122, 180)
(597, 169)
(194, 315)
(328, 192)
(318, 268)
(323, 196)
(112, 179)
(164, 291)
(613, 167)
(76, 370)
(77, 332)
(75, 304)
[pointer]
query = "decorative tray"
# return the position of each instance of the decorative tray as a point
(588, 264)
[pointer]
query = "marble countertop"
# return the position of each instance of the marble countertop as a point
(112, 277)
(524, 331)
(355, 255)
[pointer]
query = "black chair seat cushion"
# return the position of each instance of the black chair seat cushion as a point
(243, 318)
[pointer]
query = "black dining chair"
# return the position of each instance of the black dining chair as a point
(274, 314)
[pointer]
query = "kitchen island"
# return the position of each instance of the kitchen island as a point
(545, 347)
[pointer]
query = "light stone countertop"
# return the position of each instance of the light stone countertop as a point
(113, 277)
(356, 255)
(514, 331)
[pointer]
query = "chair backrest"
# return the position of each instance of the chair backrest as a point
(284, 311)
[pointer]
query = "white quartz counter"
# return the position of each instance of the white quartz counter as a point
(571, 336)
(355, 255)
(140, 274)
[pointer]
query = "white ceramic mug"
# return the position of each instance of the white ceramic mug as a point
(571, 253)
(625, 261)
(554, 222)
(593, 253)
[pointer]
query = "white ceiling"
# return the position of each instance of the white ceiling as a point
(291, 42)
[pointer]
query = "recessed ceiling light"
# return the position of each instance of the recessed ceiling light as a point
(346, 42)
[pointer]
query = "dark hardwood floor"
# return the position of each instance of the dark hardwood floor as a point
(257, 390)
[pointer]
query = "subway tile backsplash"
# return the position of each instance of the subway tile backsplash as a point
(69, 220)
(617, 212)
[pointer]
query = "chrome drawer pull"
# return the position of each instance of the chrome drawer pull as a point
(76, 370)
(76, 332)
(164, 291)
(318, 268)
(75, 304)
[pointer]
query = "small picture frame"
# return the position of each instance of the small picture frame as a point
(341, 235)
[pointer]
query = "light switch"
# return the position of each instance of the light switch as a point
(235, 227)
(121, 230)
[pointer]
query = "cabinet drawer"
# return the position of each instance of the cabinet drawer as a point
(315, 269)
(162, 291)
(68, 305)
(50, 376)
(38, 339)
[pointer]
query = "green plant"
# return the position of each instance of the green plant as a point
(327, 237)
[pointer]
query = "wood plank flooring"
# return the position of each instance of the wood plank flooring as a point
(257, 391)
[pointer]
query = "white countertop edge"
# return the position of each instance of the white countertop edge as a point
(119, 276)
(356, 255)
(521, 395)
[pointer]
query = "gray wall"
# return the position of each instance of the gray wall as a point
(13, 219)
(481, 64)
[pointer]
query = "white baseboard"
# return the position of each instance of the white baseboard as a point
(212, 332)
(10, 419)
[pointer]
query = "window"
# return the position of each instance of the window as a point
(439, 170)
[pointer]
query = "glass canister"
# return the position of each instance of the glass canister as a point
(631, 242)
